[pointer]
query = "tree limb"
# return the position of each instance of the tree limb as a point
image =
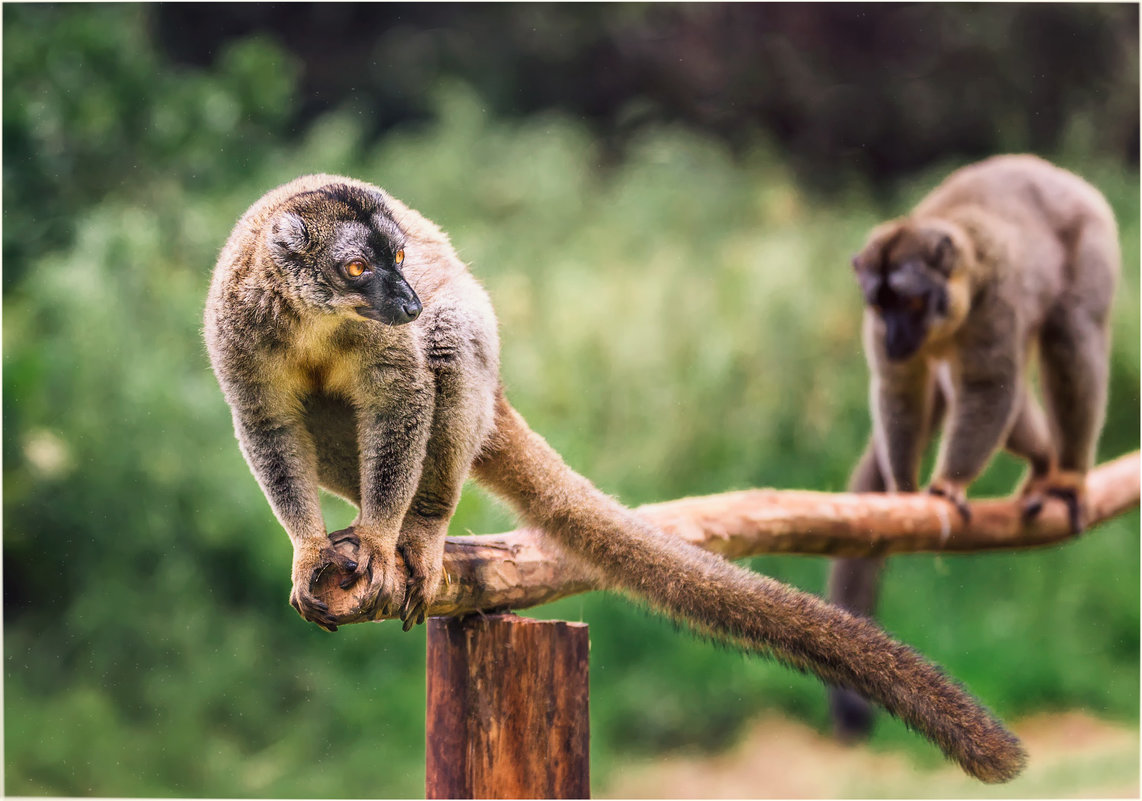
(521, 568)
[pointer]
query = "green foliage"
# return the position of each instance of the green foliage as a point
(91, 110)
(680, 322)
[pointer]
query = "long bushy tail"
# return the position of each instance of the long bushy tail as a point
(718, 598)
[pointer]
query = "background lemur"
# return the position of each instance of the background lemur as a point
(358, 353)
(1004, 257)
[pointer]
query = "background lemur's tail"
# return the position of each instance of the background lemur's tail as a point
(747, 609)
(854, 585)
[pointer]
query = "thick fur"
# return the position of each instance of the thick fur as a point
(1016, 256)
(320, 394)
(393, 417)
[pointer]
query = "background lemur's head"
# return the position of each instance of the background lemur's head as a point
(909, 277)
(340, 250)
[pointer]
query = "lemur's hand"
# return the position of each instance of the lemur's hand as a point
(312, 560)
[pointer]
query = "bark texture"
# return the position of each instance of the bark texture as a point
(521, 569)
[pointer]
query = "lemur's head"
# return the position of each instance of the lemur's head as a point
(912, 276)
(340, 250)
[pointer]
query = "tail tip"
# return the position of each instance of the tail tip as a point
(1000, 763)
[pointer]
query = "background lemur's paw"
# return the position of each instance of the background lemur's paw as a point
(424, 559)
(1070, 486)
(1032, 495)
(1067, 485)
(954, 491)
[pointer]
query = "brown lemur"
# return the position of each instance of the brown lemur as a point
(1006, 257)
(357, 353)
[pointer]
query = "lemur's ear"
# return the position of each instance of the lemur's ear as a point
(871, 256)
(287, 235)
(940, 251)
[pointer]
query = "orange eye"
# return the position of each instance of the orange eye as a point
(399, 257)
(355, 268)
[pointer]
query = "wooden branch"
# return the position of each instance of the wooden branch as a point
(520, 569)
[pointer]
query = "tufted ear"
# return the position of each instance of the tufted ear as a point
(871, 256)
(287, 235)
(868, 258)
(940, 251)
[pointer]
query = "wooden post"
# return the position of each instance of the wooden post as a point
(507, 708)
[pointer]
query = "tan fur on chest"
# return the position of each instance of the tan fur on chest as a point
(314, 362)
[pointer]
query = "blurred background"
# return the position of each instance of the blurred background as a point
(662, 201)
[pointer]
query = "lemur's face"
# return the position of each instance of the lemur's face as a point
(343, 252)
(903, 275)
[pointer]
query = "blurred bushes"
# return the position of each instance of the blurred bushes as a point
(92, 110)
(676, 321)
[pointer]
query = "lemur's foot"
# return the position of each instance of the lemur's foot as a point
(312, 562)
(361, 580)
(424, 558)
(955, 492)
(376, 563)
(1067, 485)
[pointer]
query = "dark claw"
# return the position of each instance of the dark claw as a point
(413, 616)
(344, 535)
(414, 604)
(313, 603)
(413, 601)
(351, 579)
(1074, 510)
(358, 570)
(964, 510)
(1032, 509)
(1075, 516)
(961, 505)
(378, 606)
(315, 612)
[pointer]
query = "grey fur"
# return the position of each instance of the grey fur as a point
(1027, 258)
